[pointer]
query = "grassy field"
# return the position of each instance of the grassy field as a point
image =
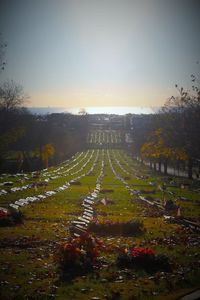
(27, 267)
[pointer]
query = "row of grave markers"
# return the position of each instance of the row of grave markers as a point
(50, 178)
(25, 177)
(104, 137)
(139, 177)
(131, 190)
(31, 199)
(80, 225)
(167, 216)
(28, 176)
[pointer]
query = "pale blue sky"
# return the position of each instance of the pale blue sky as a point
(79, 53)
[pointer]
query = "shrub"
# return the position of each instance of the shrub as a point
(144, 258)
(131, 228)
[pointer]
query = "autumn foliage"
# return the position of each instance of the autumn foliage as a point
(47, 151)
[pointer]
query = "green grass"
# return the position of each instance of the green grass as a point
(31, 273)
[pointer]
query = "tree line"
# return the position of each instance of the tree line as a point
(31, 142)
(172, 135)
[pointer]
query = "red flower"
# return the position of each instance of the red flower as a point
(4, 213)
(141, 252)
(79, 250)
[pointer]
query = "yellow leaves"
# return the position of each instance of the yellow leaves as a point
(158, 132)
(47, 151)
(167, 152)
(147, 150)
(180, 154)
(175, 153)
(156, 148)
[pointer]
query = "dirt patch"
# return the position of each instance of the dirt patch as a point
(106, 191)
(25, 242)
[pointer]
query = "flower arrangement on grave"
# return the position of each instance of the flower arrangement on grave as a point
(10, 216)
(108, 227)
(144, 258)
(4, 213)
(79, 254)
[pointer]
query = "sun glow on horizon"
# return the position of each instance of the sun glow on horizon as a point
(119, 110)
(121, 96)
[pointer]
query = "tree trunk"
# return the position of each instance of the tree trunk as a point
(150, 164)
(178, 167)
(165, 167)
(159, 165)
(47, 162)
(26, 162)
(40, 154)
(190, 166)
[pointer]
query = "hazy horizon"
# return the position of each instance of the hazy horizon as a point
(120, 110)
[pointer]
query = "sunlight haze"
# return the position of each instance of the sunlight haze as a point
(100, 53)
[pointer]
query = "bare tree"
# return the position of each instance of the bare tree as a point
(11, 96)
(3, 45)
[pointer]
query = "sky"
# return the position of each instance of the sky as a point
(99, 53)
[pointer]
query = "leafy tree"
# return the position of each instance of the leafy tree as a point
(183, 112)
(47, 151)
(142, 125)
(157, 150)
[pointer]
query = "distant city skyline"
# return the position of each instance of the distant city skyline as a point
(108, 53)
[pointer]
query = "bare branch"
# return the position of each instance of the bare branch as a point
(11, 96)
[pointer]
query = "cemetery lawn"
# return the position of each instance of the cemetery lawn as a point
(27, 266)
